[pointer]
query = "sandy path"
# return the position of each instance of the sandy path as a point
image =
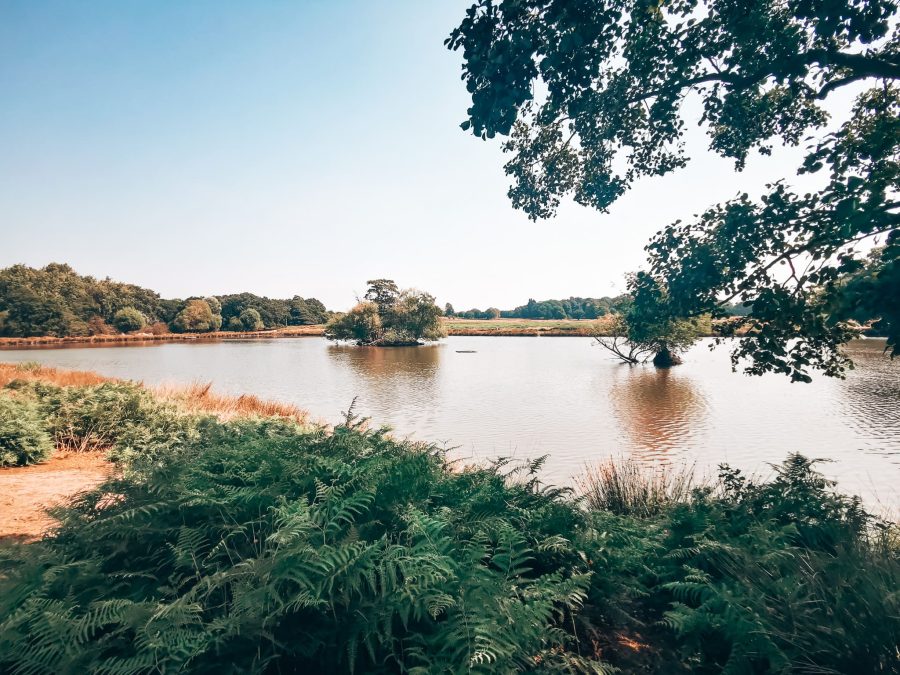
(25, 492)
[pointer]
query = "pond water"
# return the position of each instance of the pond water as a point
(563, 397)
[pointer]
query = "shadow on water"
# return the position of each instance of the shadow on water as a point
(659, 410)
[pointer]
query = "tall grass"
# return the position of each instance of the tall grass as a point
(629, 488)
(199, 397)
(32, 371)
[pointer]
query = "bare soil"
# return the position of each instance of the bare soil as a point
(27, 491)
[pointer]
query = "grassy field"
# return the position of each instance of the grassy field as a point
(526, 326)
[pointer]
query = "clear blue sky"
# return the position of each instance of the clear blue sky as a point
(288, 148)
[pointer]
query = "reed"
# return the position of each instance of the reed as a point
(32, 371)
(629, 488)
(199, 397)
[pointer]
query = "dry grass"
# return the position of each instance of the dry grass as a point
(159, 333)
(627, 487)
(199, 397)
(195, 398)
(32, 371)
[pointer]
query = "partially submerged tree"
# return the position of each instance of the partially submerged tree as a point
(614, 78)
(389, 317)
(646, 329)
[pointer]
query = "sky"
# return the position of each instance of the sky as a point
(292, 148)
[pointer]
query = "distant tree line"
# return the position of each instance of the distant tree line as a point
(570, 308)
(56, 301)
(581, 308)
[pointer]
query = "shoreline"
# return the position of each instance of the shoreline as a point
(455, 328)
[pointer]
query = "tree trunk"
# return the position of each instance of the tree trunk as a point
(665, 358)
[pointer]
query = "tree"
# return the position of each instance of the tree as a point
(492, 313)
(412, 318)
(196, 317)
(614, 78)
(306, 311)
(362, 325)
(216, 308)
(404, 318)
(128, 319)
(449, 311)
(251, 320)
(383, 292)
(646, 328)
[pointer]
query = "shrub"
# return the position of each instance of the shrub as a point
(778, 577)
(159, 328)
(362, 324)
(389, 317)
(281, 550)
(234, 324)
(93, 417)
(23, 439)
(128, 319)
(97, 326)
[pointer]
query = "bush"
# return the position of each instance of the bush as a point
(128, 319)
(277, 550)
(159, 328)
(778, 577)
(389, 317)
(93, 418)
(23, 439)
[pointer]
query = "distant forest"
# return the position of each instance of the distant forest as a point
(56, 301)
(570, 308)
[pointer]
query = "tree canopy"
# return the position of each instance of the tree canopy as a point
(57, 301)
(389, 317)
(591, 97)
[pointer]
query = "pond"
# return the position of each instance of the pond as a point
(562, 397)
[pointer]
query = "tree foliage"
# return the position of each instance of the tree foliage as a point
(128, 319)
(614, 79)
(389, 317)
(196, 317)
(251, 320)
(645, 328)
(57, 301)
(54, 300)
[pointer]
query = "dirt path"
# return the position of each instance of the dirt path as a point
(25, 492)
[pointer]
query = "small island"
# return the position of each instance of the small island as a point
(389, 317)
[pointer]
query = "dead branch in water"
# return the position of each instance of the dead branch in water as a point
(624, 349)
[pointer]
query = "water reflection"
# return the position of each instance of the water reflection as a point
(377, 363)
(870, 398)
(390, 379)
(659, 410)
